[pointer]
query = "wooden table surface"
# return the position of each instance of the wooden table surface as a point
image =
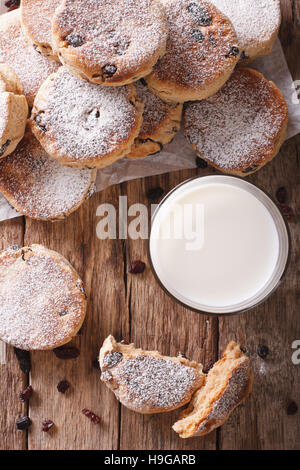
(135, 308)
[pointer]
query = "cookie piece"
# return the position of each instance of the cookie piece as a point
(145, 381)
(242, 127)
(13, 111)
(36, 16)
(38, 187)
(256, 23)
(16, 51)
(85, 125)
(111, 43)
(202, 51)
(42, 299)
(227, 385)
(161, 122)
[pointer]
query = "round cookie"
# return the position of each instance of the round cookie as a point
(256, 23)
(38, 187)
(242, 127)
(13, 111)
(84, 125)
(146, 381)
(111, 43)
(42, 299)
(16, 51)
(161, 122)
(202, 51)
(36, 16)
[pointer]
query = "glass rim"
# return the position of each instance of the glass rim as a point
(284, 239)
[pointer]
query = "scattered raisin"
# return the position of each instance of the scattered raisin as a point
(137, 267)
(89, 414)
(199, 14)
(281, 195)
(250, 169)
(197, 35)
(47, 424)
(244, 56)
(292, 408)
(23, 423)
(109, 70)
(96, 364)
(287, 211)
(66, 352)
(4, 147)
(75, 40)
(155, 193)
(201, 163)
(233, 53)
(63, 386)
(208, 366)
(39, 123)
(12, 4)
(263, 351)
(23, 359)
(121, 48)
(26, 394)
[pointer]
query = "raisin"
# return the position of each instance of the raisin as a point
(36, 48)
(80, 286)
(23, 423)
(26, 394)
(155, 193)
(66, 352)
(233, 53)
(208, 367)
(244, 56)
(287, 211)
(39, 123)
(63, 386)
(197, 35)
(200, 163)
(47, 424)
(112, 359)
(4, 147)
(12, 4)
(281, 195)
(89, 414)
(292, 408)
(109, 70)
(75, 40)
(63, 313)
(250, 169)
(263, 351)
(23, 359)
(121, 48)
(199, 14)
(137, 267)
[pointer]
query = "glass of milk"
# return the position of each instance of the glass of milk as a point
(218, 245)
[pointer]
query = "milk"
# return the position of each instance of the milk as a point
(214, 245)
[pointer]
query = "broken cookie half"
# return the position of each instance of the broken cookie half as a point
(146, 381)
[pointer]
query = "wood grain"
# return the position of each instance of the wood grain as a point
(135, 308)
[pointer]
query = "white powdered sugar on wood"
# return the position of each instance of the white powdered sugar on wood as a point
(155, 110)
(237, 127)
(38, 185)
(196, 54)
(149, 382)
(15, 50)
(40, 299)
(255, 21)
(86, 121)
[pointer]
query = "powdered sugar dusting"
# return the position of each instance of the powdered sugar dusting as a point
(4, 97)
(238, 127)
(41, 304)
(31, 68)
(38, 186)
(255, 21)
(155, 110)
(37, 16)
(200, 44)
(85, 121)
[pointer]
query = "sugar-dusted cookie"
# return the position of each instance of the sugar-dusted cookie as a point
(17, 52)
(202, 51)
(13, 111)
(161, 122)
(242, 127)
(84, 125)
(111, 43)
(36, 16)
(228, 383)
(39, 187)
(146, 381)
(256, 23)
(42, 299)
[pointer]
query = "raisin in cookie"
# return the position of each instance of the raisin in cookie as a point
(202, 51)
(36, 16)
(256, 23)
(227, 385)
(17, 52)
(39, 187)
(84, 125)
(242, 127)
(111, 43)
(42, 299)
(161, 122)
(145, 381)
(13, 111)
